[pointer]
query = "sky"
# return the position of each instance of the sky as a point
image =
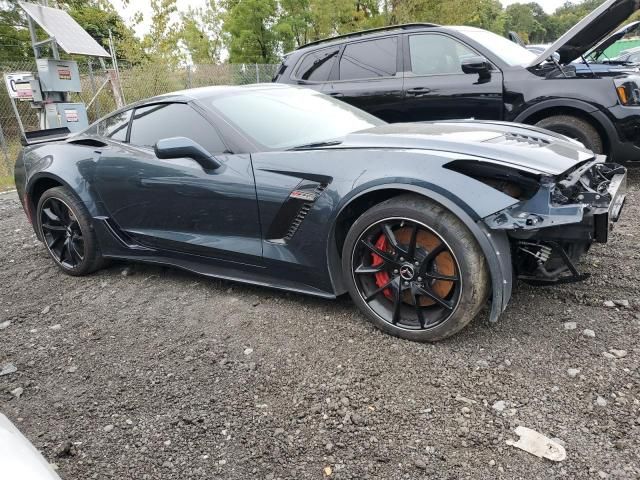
(144, 6)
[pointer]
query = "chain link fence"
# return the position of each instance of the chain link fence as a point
(138, 82)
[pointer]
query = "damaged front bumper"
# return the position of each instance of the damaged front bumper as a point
(552, 229)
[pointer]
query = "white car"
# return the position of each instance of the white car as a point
(19, 459)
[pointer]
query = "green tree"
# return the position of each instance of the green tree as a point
(201, 33)
(161, 43)
(302, 21)
(14, 35)
(528, 20)
(567, 16)
(295, 23)
(248, 26)
(487, 14)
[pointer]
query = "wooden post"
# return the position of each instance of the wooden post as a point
(115, 87)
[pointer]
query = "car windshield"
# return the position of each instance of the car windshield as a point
(282, 118)
(511, 53)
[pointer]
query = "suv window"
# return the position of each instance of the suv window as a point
(316, 66)
(165, 120)
(437, 54)
(371, 59)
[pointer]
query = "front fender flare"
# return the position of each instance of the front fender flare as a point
(494, 244)
(555, 103)
(591, 111)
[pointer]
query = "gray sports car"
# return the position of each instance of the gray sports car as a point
(280, 186)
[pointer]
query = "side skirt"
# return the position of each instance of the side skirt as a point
(118, 248)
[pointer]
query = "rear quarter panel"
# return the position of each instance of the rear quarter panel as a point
(70, 165)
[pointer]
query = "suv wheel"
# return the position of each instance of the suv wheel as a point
(576, 128)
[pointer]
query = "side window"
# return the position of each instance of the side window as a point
(114, 127)
(155, 122)
(437, 54)
(316, 66)
(371, 59)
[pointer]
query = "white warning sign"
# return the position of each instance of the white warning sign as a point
(71, 115)
(12, 79)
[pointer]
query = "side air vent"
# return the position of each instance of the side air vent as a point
(294, 210)
(519, 139)
(89, 142)
(302, 213)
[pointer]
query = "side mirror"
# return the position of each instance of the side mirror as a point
(478, 65)
(182, 147)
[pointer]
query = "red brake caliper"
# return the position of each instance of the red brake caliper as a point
(382, 278)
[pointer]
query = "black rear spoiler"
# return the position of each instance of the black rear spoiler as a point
(43, 136)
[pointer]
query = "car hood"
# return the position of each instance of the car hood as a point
(589, 31)
(618, 35)
(520, 146)
(614, 69)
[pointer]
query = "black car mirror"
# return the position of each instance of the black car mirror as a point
(182, 147)
(478, 65)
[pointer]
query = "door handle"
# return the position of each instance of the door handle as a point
(418, 91)
(336, 94)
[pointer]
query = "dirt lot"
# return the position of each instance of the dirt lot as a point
(153, 373)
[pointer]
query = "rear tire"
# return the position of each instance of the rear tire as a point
(67, 231)
(576, 128)
(414, 269)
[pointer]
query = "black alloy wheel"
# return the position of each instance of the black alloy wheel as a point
(414, 269)
(65, 227)
(62, 233)
(407, 274)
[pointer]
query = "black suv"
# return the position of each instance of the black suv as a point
(421, 72)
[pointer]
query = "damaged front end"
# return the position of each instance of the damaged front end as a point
(550, 229)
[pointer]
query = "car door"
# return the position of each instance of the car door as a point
(435, 86)
(175, 204)
(368, 75)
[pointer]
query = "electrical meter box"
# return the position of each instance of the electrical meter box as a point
(58, 75)
(70, 115)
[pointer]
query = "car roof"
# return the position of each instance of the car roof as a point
(371, 33)
(212, 91)
(189, 95)
(384, 31)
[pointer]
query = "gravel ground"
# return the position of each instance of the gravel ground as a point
(143, 372)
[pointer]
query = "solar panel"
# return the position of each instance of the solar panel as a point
(71, 37)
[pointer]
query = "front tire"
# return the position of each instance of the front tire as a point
(576, 128)
(414, 269)
(65, 226)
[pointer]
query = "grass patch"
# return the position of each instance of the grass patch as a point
(8, 157)
(6, 183)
